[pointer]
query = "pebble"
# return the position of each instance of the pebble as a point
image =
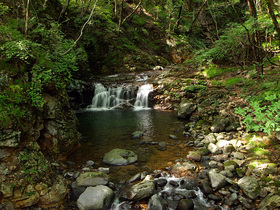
(90, 163)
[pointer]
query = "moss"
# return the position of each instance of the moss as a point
(231, 162)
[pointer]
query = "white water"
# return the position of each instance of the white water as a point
(142, 100)
(114, 97)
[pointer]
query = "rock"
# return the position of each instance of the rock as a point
(213, 164)
(238, 155)
(185, 204)
(4, 153)
(245, 202)
(210, 138)
(217, 180)
(203, 151)
(214, 149)
(173, 137)
(194, 155)
(135, 178)
(90, 163)
(155, 203)
(231, 162)
(277, 135)
(104, 170)
(162, 144)
(220, 125)
(76, 191)
(214, 197)
(139, 191)
(11, 139)
(161, 182)
(92, 179)
(205, 187)
(120, 157)
(184, 167)
(249, 186)
(270, 202)
(137, 134)
(233, 197)
(186, 109)
(99, 197)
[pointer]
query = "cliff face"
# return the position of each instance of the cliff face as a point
(29, 147)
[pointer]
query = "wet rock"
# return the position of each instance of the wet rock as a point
(217, 180)
(120, 157)
(161, 182)
(135, 178)
(194, 155)
(99, 197)
(92, 179)
(185, 204)
(249, 186)
(186, 109)
(174, 183)
(162, 144)
(137, 134)
(155, 203)
(139, 191)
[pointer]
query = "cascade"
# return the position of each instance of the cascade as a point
(114, 97)
(142, 97)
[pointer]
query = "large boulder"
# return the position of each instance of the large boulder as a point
(270, 202)
(120, 157)
(139, 191)
(220, 125)
(92, 179)
(186, 109)
(249, 186)
(99, 197)
(155, 203)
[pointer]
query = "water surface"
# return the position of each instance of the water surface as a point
(106, 130)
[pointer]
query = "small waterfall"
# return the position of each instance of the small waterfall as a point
(142, 97)
(112, 97)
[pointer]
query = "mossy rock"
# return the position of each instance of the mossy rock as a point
(231, 162)
(203, 151)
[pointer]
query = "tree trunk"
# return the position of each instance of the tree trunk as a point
(273, 17)
(26, 19)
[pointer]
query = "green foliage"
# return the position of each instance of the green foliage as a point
(233, 81)
(263, 114)
(217, 83)
(213, 71)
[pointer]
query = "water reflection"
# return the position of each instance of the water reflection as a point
(145, 123)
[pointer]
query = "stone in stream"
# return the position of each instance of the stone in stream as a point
(137, 134)
(99, 197)
(92, 179)
(120, 157)
(249, 186)
(173, 137)
(139, 191)
(155, 203)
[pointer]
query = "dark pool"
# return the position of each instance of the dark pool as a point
(103, 131)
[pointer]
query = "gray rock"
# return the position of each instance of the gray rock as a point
(99, 197)
(245, 202)
(173, 137)
(90, 163)
(104, 170)
(137, 134)
(270, 202)
(277, 135)
(155, 203)
(213, 164)
(135, 178)
(233, 197)
(92, 179)
(120, 157)
(217, 180)
(139, 191)
(205, 187)
(214, 149)
(162, 144)
(210, 138)
(186, 109)
(220, 125)
(194, 155)
(249, 186)
(238, 155)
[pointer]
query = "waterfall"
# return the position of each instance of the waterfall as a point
(142, 97)
(119, 97)
(112, 97)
